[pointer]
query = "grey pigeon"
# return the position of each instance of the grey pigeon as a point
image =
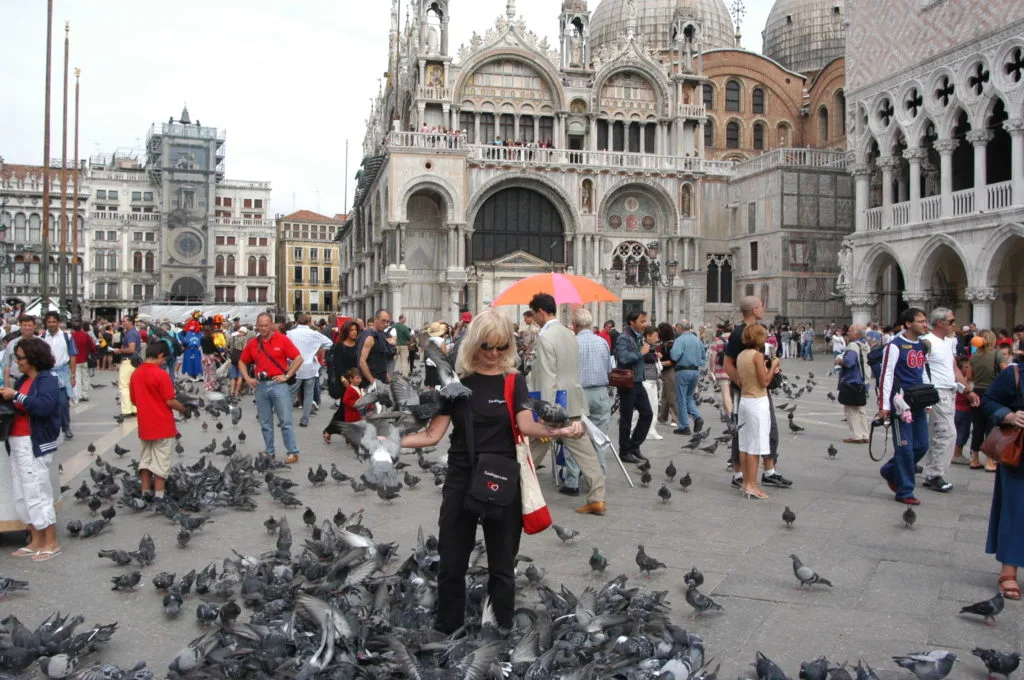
(126, 581)
(933, 665)
(670, 471)
(698, 600)
(564, 533)
(664, 494)
(191, 656)
(998, 662)
(865, 672)
(685, 482)
(909, 517)
(694, 576)
(814, 670)
(598, 562)
(57, 666)
(767, 669)
(550, 413)
(173, 600)
(163, 580)
(989, 609)
(788, 516)
(806, 575)
(832, 451)
(646, 562)
(9, 585)
(120, 557)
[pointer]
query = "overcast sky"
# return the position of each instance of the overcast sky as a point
(290, 82)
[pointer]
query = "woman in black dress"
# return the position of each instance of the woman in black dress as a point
(344, 357)
(487, 355)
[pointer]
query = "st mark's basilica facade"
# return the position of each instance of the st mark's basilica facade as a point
(646, 151)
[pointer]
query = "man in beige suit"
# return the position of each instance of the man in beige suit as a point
(556, 366)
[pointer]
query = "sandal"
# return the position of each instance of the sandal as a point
(24, 552)
(1011, 591)
(327, 437)
(44, 555)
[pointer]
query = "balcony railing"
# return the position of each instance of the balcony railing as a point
(521, 155)
(427, 140)
(435, 93)
(125, 216)
(963, 203)
(242, 222)
(692, 111)
(805, 158)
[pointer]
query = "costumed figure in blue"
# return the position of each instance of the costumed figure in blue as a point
(192, 360)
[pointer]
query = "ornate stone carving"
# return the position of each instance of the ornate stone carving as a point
(979, 137)
(916, 298)
(862, 300)
(845, 258)
(915, 155)
(889, 162)
(861, 170)
(944, 146)
(981, 294)
(1015, 126)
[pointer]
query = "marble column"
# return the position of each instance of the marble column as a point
(452, 247)
(700, 137)
(592, 142)
(916, 298)
(515, 127)
(979, 139)
(887, 164)
(1015, 127)
(945, 147)
(476, 128)
(914, 158)
(862, 179)
(461, 255)
(863, 307)
(596, 254)
(446, 116)
(577, 254)
(643, 137)
(981, 300)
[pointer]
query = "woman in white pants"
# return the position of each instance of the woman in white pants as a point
(652, 378)
(755, 418)
(34, 436)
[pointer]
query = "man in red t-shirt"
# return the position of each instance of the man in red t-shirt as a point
(152, 392)
(277, 359)
(86, 346)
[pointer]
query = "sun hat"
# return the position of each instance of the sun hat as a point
(435, 329)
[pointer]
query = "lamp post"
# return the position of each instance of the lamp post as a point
(654, 274)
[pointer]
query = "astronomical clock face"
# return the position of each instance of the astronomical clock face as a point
(188, 245)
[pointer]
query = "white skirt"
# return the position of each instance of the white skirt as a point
(755, 421)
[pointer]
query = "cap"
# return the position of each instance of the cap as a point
(466, 317)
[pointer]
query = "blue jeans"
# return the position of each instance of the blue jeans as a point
(808, 352)
(686, 383)
(63, 374)
(274, 397)
(306, 386)
(910, 441)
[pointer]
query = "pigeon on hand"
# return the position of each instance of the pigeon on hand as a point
(598, 562)
(806, 575)
(698, 600)
(933, 665)
(788, 516)
(553, 414)
(989, 609)
(832, 451)
(564, 533)
(997, 662)
(664, 494)
(909, 517)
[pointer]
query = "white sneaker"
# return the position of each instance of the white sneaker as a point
(653, 435)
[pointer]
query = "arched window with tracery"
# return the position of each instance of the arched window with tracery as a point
(252, 266)
(111, 261)
(732, 135)
(229, 265)
(759, 136)
(719, 278)
(631, 259)
(219, 266)
(137, 261)
(150, 262)
(263, 265)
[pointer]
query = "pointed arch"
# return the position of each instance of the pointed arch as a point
(993, 255)
(920, 274)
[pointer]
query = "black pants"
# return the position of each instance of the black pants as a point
(456, 538)
(773, 434)
(980, 425)
(630, 400)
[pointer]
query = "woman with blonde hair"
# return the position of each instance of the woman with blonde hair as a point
(482, 425)
(755, 418)
(985, 365)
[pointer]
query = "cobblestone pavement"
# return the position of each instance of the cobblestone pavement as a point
(897, 590)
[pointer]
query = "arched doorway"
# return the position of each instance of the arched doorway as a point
(885, 278)
(1008, 307)
(425, 254)
(944, 279)
(518, 218)
(187, 289)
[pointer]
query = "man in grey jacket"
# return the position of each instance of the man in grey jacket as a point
(556, 366)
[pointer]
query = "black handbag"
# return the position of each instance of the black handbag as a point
(7, 413)
(495, 479)
(853, 394)
(292, 380)
(920, 396)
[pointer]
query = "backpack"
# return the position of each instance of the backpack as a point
(334, 386)
(172, 342)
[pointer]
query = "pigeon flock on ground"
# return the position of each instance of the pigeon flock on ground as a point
(332, 600)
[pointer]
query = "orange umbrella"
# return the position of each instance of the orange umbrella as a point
(567, 289)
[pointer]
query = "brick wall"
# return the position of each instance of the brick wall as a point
(888, 36)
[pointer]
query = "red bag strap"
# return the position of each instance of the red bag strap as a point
(510, 390)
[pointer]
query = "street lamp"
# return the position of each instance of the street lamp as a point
(654, 274)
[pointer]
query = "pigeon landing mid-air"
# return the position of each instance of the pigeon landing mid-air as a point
(806, 575)
(997, 662)
(788, 516)
(989, 609)
(933, 665)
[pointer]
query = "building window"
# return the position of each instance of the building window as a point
(328, 301)
(136, 235)
(230, 268)
(137, 290)
(224, 293)
(252, 240)
(264, 241)
(328, 254)
(227, 202)
(823, 126)
(137, 261)
(219, 240)
(709, 133)
(258, 204)
(297, 301)
(101, 194)
(251, 266)
(757, 100)
(256, 294)
(263, 265)
(314, 253)
(732, 96)
(328, 275)
(719, 279)
(732, 135)
(753, 256)
(297, 254)
(247, 203)
(136, 195)
(709, 96)
(218, 269)
(100, 236)
(150, 262)
(147, 195)
(759, 136)
(298, 274)
(111, 235)
(751, 218)
(314, 275)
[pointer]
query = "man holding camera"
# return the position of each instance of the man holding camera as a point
(276, 360)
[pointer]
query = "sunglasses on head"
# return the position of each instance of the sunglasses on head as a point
(487, 348)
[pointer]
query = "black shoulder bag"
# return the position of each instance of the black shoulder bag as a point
(495, 478)
(855, 394)
(291, 380)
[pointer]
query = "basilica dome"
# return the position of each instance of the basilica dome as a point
(805, 35)
(655, 19)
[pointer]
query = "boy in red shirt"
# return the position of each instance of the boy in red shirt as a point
(152, 392)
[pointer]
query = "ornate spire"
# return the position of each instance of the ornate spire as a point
(510, 10)
(738, 11)
(631, 19)
(185, 120)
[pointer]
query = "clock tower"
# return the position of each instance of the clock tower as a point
(185, 161)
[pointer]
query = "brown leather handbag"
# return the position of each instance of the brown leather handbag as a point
(1005, 442)
(621, 377)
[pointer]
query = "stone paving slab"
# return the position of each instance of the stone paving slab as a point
(897, 590)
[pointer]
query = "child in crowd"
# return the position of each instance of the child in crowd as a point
(962, 418)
